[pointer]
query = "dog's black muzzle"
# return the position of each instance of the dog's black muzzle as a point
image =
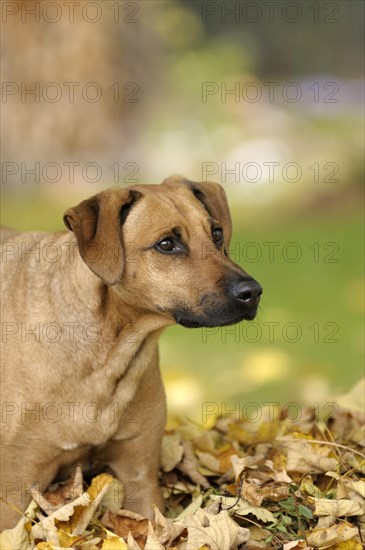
(238, 301)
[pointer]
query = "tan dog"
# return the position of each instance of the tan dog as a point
(82, 314)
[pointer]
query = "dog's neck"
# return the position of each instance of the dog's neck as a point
(101, 302)
(120, 331)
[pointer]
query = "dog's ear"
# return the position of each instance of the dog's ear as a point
(97, 224)
(214, 199)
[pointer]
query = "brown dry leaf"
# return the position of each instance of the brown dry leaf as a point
(189, 466)
(152, 542)
(338, 508)
(224, 455)
(325, 521)
(326, 538)
(355, 485)
(281, 476)
(62, 493)
(124, 522)
(303, 458)
(239, 464)
(277, 468)
(74, 517)
(165, 529)
(210, 461)
(262, 475)
(213, 507)
(205, 441)
(242, 508)
(218, 532)
(262, 514)
(252, 493)
(43, 503)
(132, 545)
(231, 489)
(172, 452)
(257, 533)
(275, 492)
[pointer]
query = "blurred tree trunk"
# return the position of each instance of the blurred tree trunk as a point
(73, 88)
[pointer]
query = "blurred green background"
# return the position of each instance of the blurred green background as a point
(219, 91)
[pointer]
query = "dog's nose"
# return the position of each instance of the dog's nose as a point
(248, 292)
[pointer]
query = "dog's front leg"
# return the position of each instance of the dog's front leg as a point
(19, 473)
(134, 452)
(135, 462)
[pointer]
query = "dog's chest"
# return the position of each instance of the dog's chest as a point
(105, 406)
(92, 424)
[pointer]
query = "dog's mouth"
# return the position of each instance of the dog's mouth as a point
(213, 320)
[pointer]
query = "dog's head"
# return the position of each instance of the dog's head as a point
(164, 249)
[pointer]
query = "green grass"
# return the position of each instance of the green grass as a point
(325, 296)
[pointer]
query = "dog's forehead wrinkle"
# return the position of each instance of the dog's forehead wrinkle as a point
(194, 215)
(165, 212)
(176, 231)
(177, 206)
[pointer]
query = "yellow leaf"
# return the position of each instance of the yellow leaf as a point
(66, 540)
(327, 537)
(113, 542)
(349, 545)
(98, 484)
(74, 517)
(250, 434)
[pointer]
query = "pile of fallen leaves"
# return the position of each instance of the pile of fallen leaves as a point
(273, 483)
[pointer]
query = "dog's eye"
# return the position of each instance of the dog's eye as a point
(166, 245)
(217, 234)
